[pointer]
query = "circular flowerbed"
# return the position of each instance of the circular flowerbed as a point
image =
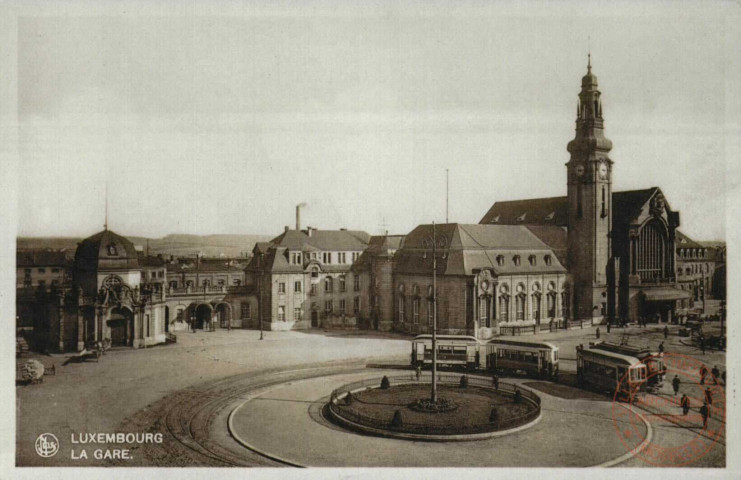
(407, 409)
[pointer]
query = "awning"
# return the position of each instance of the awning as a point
(665, 294)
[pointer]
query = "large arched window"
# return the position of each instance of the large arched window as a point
(649, 259)
(328, 284)
(520, 306)
(485, 311)
(504, 303)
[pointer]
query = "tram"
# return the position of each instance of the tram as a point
(608, 371)
(452, 351)
(654, 361)
(538, 359)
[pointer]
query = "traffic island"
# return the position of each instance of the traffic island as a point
(467, 408)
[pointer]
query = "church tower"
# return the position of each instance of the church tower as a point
(589, 173)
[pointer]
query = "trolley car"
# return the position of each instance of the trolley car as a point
(538, 359)
(656, 370)
(452, 351)
(608, 371)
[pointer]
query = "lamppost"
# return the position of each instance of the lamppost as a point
(259, 300)
(426, 243)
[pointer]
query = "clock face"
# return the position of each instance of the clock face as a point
(603, 170)
(579, 170)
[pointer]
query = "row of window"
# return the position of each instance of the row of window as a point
(327, 258)
(328, 285)
(153, 274)
(205, 283)
(329, 306)
(41, 270)
(532, 260)
(692, 252)
(698, 268)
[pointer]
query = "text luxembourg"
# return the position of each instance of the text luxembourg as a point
(85, 438)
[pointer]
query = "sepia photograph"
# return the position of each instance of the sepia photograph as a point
(366, 238)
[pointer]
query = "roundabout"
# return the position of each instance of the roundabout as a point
(278, 419)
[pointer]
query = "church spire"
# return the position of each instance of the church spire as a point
(589, 121)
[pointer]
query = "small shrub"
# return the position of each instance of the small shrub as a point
(385, 384)
(494, 416)
(349, 399)
(517, 397)
(464, 381)
(396, 421)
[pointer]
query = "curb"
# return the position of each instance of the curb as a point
(632, 453)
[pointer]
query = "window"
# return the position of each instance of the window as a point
(174, 284)
(296, 258)
(54, 270)
(356, 283)
(516, 260)
(533, 261)
(206, 283)
(160, 274)
(189, 283)
(520, 307)
(112, 250)
(246, 313)
(500, 260)
(315, 273)
(327, 257)
(328, 284)
(355, 256)
(536, 307)
(401, 308)
(343, 306)
(484, 311)
(356, 305)
(298, 314)
(313, 289)
(548, 259)
(415, 310)
(341, 257)
(297, 286)
(221, 282)
(281, 287)
(343, 283)
(281, 313)
(551, 306)
(328, 306)
(237, 282)
(504, 308)
(42, 270)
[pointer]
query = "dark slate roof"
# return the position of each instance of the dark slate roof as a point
(324, 240)
(150, 261)
(92, 253)
(553, 211)
(555, 237)
(43, 258)
(379, 246)
(464, 249)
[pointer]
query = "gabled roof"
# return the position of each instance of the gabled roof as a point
(464, 249)
(555, 237)
(323, 240)
(379, 246)
(553, 211)
(683, 241)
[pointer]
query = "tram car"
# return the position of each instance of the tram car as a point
(452, 351)
(607, 371)
(537, 359)
(654, 361)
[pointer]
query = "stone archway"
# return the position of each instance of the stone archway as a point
(224, 313)
(121, 326)
(203, 315)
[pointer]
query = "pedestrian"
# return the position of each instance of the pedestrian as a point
(666, 332)
(495, 381)
(685, 403)
(597, 333)
(675, 384)
(705, 414)
(703, 374)
(661, 348)
(709, 397)
(608, 327)
(716, 374)
(419, 371)
(702, 344)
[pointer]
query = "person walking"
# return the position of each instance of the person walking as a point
(419, 371)
(702, 344)
(703, 374)
(716, 374)
(705, 414)
(495, 381)
(661, 347)
(675, 384)
(666, 332)
(685, 403)
(597, 333)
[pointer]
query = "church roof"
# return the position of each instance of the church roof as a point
(464, 249)
(323, 240)
(106, 250)
(553, 211)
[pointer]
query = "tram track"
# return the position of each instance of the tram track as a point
(189, 419)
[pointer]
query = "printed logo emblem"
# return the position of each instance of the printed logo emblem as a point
(47, 445)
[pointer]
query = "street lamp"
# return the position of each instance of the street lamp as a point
(426, 243)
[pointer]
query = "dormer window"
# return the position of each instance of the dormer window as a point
(533, 261)
(500, 260)
(112, 250)
(548, 260)
(516, 260)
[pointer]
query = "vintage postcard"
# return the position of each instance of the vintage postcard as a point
(350, 236)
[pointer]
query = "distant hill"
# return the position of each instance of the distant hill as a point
(174, 244)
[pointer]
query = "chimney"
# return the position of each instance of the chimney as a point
(308, 231)
(285, 228)
(298, 217)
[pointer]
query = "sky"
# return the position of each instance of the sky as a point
(210, 121)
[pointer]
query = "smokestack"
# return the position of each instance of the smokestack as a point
(308, 231)
(285, 228)
(298, 215)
